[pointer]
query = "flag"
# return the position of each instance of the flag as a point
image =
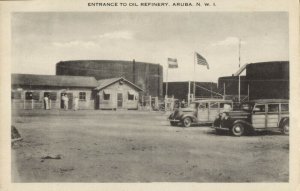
(201, 60)
(172, 63)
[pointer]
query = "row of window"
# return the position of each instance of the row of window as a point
(212, 105)
(106, 96)
(50, 95)
(272, 108)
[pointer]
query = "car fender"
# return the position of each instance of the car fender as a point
(188, 115)
(243, 122)
(283, 120)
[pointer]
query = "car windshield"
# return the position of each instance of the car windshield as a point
(246, 107)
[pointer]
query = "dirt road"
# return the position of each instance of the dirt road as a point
(132, 146)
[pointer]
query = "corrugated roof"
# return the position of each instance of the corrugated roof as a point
(52, 80)
(106, 82)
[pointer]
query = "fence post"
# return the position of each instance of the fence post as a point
(150, 103)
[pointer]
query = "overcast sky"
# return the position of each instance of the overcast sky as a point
(40, 40)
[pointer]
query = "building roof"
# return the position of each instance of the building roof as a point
(107, 82)
(52, 80)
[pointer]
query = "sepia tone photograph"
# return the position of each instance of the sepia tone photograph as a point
(139, 97)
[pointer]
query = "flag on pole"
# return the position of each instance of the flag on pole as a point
(172, 63)
(201, 60)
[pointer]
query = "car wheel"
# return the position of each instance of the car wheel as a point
(172, 123)
(238, 129)
(285, 128)
(187, 122)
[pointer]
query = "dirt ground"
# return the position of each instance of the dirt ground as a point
(133, 146)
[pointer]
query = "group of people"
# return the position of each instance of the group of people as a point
(65, 100)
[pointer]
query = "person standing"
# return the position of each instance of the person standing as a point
(66, 102)
(76, 102)
(46, 102)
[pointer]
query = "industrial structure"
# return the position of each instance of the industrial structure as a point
(263, 80)
(147, 76)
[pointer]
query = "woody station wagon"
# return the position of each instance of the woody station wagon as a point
(256, 115)
(199, 112)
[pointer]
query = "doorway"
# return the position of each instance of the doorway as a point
(119, 100)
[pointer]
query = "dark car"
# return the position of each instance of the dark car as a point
(200, 112)
(256, 115)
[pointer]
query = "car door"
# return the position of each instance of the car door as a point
(213, 111)
(259, 116)
(273, 115)
(202, 114)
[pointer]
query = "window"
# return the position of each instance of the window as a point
(259, 108)
(130, 95)
(82, 96)
(28, 95)
(284, 107)
(106, 96)
(16, 95)
(213, 104)
(203, 105)
(273, 108)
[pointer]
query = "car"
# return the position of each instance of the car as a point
(199, 112)
(255, 115)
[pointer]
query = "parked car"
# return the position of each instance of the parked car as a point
(199, 112)
(256, 115)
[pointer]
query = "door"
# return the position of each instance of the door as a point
(259, 116)
(213, 111)
(202, 114)
(70, 103)
(273, 115)
(120, 100)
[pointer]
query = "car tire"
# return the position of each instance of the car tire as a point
(238, 129)
(187, 122)
(172, 123)
(285, 128)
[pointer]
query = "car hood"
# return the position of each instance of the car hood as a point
(178, 112)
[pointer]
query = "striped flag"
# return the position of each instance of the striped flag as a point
(201, 60)
(172, 63)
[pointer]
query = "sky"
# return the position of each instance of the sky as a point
(40, 40)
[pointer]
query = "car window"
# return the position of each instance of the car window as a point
(203, 105)
(284, 107)
(259, 108)
(213, 104)
(273, 108)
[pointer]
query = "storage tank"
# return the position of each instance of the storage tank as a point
(148, 76)
(263, 80)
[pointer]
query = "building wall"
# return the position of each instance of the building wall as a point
(147, 76)
(113, 90)
(231, 84)
(38, 95)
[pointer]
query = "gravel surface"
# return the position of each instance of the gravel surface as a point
(134, 146)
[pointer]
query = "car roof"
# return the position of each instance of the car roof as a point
(263, 101)
(212, 100)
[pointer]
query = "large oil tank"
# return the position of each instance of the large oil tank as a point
(148, 76)
(263, 80)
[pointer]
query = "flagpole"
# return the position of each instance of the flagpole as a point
(194, 88)
(239, 67)
(167, 81)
